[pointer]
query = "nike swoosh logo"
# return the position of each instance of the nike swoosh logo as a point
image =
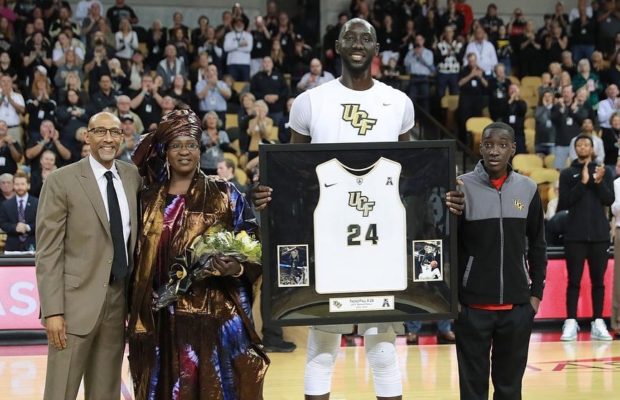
(387, 104)
(576, 175)
(332, 184)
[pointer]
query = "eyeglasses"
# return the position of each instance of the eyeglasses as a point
(179, 146)
(101, 132)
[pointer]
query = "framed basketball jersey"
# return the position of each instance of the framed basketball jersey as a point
(346, 227)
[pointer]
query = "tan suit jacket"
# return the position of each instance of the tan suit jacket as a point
(74, 244)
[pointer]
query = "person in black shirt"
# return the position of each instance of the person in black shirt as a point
(119, 11)
(567, 115)
(472, 89)
(583, 35)
(261, 45)
(105, 97)
(147, 103)
(48, 138)
(10, 151)
(498, 93)
(491, 23)
(388, 39)
(515, 116)
(269, 85)
(586, 190)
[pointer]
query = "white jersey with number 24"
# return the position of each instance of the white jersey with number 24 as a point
(359, 229)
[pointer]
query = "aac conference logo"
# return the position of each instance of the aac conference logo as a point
(19, 299)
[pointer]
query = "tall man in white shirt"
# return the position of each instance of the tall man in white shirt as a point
(484, 51)
(86, 233)
(317, 116)
(238, 46)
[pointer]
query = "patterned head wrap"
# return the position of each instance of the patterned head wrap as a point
(150, 155)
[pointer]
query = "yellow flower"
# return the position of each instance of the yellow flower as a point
(241, 235)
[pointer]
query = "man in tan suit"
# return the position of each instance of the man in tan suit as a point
(87, 225)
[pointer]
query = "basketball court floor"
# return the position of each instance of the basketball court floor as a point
(579, 370)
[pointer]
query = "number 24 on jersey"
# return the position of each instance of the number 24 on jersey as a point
(354, 232)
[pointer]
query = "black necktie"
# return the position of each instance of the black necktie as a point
(119, 264)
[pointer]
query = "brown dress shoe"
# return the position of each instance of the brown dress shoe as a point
(446, 337)
(412, 338)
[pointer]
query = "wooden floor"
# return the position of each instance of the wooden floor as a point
(568, 371)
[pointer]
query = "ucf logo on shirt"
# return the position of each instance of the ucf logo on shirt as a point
(361, 203)
(358, 118)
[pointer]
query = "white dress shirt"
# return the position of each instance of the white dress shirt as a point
(99, 171)
(8, 113)
(238, 55)
(25, 200)
(485, 53)
(606, 108)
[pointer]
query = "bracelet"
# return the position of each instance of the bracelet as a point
(238, 274)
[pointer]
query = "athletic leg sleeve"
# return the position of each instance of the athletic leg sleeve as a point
(381, 354)
(323, 348)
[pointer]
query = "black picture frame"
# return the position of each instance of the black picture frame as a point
(428, 173)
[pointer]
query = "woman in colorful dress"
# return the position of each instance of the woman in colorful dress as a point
(203, 346)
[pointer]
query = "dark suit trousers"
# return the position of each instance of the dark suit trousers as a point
(98, 356)
(505, 336)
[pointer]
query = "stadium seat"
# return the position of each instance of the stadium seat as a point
(514, 80)
(530, 123)
(232, 121)
(273, 134)
(241, 87)
(544, 175)
(475, 126)
(530, 139)
(549, 160)
(232, 157)
(531, 81)
(525, 163)
(241, 176)
(450, 103)
(530, 96)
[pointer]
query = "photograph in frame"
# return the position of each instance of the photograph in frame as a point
(427, 260)
(293, 265)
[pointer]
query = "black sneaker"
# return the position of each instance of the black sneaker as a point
(279, 347)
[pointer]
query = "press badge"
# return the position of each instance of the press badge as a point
(569, 121)
(474, 83)
(148, 108)
(512, 119)
(2, 161)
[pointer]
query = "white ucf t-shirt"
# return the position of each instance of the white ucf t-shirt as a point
(359, 229)
(333, 113)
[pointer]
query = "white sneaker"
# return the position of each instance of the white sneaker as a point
(599, 330)
(569, 330)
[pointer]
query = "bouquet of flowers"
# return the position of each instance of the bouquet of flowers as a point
(197, 262)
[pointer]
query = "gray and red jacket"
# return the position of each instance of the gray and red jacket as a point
(502, 252)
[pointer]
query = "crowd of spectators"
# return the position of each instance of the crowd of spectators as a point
(59, 66)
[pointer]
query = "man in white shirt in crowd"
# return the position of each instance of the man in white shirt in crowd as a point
(609, 106)
(238, 45)
(420, 66)
(315, 77)
(81, 10)
(484, 51)
(12, 104)
(212, 94)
